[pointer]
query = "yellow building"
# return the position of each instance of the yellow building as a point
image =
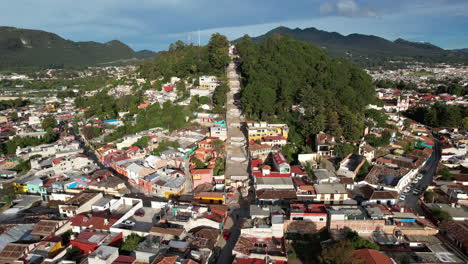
(168, 195)
(259, 130)
(209, 197)
(20, 188)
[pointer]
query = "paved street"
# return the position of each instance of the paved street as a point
(236, 163)
(428, 171)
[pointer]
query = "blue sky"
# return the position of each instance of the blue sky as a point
(154, 24)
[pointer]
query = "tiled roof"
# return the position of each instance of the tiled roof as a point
(276, 194)
(167, 231)
(370, 256)
(98, 221)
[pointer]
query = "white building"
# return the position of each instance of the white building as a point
(208, 82)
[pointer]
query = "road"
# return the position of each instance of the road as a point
(428, 171)
(92, 155)
(236, 163)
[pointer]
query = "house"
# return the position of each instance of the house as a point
(367, 151)
(353, 217)
(373, 196)
(109, 185)
(89, 241)
(79, 203)
(149, 248)
(201, 176)
(136, 171)
(259, 130)
(250, 249)
(36, 186)
(260, 151)
(208, 82)
(98, 221)
(167, 183)
(103, 255)
(350, 165)
(307, 218)
(280, 163)
(370, 256)
(276, 141)
(324, 176)
(219, 132)
(12, 252)
(332, 193)
(325, 144)
(46, 228)
(457, 233)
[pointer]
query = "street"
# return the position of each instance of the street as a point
(236, 163)
(428, 171)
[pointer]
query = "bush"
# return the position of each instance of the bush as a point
(440, 214)
(130, 244)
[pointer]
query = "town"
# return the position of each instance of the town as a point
(104, 175)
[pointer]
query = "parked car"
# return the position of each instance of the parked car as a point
(226, 235)
(420, 176)
(407, 189)
(128, 223)
(402, 197)
(140, 213)
(416, 191)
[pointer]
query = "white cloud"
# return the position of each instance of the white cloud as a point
(347, 8)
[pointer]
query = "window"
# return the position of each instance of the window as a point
(321, 219)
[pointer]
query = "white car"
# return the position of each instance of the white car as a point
(420, 176)
(407, 189)
(402, 197)
(128, 223)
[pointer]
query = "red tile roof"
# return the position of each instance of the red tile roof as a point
(98, 221)
(370, 256)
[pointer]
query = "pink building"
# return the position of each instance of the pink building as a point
(201, 176)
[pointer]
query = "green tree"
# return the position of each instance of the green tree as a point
(49, 123)
(358, 242)
(429, 196)
(340, 252)
(218, 48)
(142, 142)
(445, 174)
(130, 243)
(342, 149)
(198, 163)
(440, 214)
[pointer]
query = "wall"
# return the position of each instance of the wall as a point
(360, 226)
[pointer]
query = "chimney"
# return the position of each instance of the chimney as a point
(402, 209)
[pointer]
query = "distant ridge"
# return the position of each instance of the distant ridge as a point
(369, 49)
(26, 48)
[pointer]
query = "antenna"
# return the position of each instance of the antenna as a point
(199, 38)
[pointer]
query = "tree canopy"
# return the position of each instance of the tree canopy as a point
(281, 74)
(440, 115)
(183, 60)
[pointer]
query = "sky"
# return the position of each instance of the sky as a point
(154, 24)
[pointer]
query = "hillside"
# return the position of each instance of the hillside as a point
(369, 50)
(281, 74)
(21, 48)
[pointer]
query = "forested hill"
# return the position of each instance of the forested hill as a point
(281, 73)
(25, 48)
(369, 50)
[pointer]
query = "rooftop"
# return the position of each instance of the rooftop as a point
(327, 188)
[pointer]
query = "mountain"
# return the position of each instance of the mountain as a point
(20, 48)
(461, 50)
(369, 50)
